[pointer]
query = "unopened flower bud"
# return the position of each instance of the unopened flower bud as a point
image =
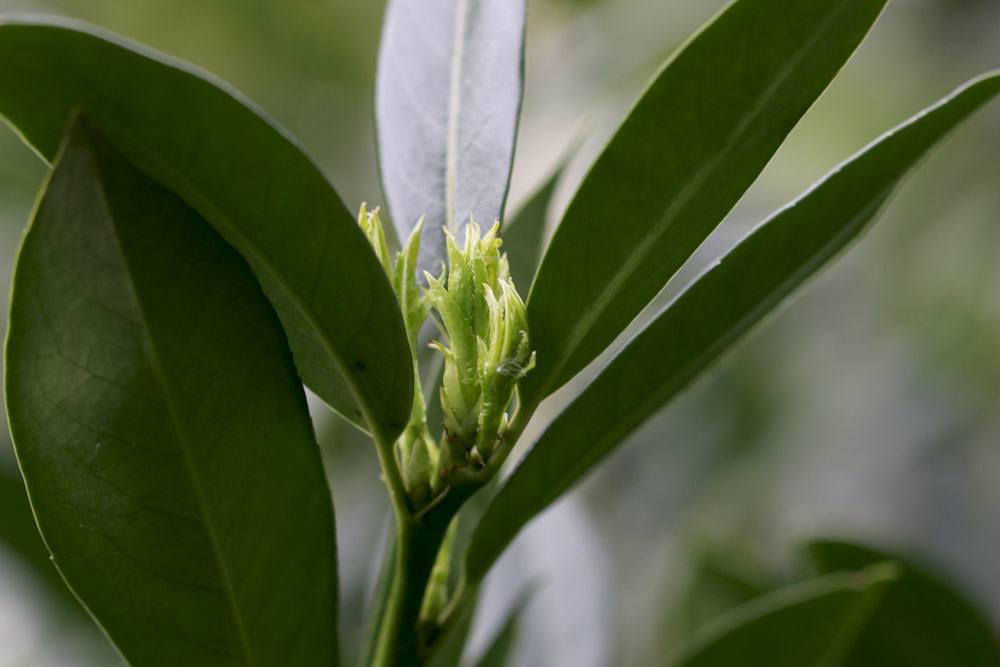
(402, 272)
(415, 449)
(488, 346)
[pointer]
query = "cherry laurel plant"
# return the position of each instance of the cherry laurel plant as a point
(188, 268)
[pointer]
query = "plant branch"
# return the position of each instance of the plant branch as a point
(391, 474)
(403, 641)
(520, 421)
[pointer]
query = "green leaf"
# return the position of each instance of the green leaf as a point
(719, 582)
(524, 236)
(161, 429)
(691, 146)
(712, 314)
(244, 175)
(807, 625)
(447, 104)
(451, 648)
(922, 621)
(379, 603)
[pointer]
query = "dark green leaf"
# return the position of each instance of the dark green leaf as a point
(922, 621)
(245, 176)
(447, 105)
(695, 141)
(712, 314)
(807, 625)
(162, 432)
(524, 235)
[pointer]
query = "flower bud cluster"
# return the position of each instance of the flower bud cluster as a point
(402, 272)
(488, 346)
(488, 350)
(415, 448)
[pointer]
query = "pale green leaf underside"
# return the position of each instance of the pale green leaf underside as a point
(448, 97)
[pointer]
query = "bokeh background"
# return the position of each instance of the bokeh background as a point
(868, 408)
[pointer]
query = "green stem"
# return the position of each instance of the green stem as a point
(466, 590)
(405, 638)
(399, 644)
(520, 421)
(390, 472)
(402, 641)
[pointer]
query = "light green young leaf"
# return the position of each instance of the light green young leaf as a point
(691, 146)
(922, 621)
(246, 177)
(712, 314)
(161, 429)
(447, 104)
(807, 625)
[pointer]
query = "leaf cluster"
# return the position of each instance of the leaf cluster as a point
(188, 270)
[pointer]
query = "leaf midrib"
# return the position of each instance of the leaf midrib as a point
(454, 111)
(184, 445)
(642, 251)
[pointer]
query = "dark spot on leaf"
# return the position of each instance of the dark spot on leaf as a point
(360, 365)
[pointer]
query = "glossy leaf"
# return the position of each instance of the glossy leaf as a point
(161, 429)
(712, 314)
(807, 625)
(447, 103)
(244, 175)
(691, 146)
(922, 622)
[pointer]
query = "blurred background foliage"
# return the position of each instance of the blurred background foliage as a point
(868, 408)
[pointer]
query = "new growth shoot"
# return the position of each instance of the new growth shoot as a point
(486, 350)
